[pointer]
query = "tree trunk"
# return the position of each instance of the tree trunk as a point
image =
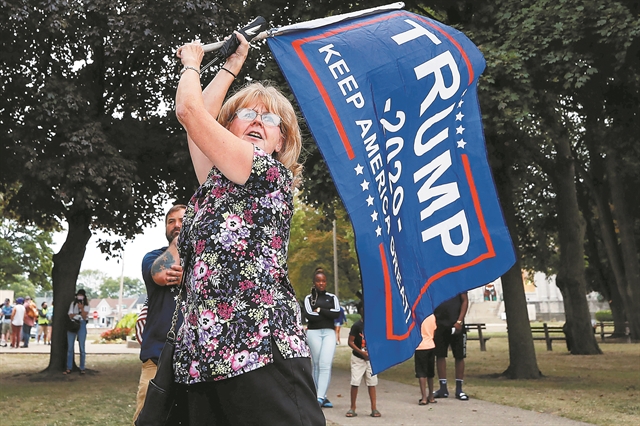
(618, 312)
(596, 183)
(571, 272)
(608, 285)
(66, 267)
(522, 355)
(619, 306)
(628, 246)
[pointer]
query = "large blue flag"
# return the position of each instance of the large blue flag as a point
(391, 101)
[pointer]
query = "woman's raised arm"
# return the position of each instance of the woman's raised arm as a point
(209, 143)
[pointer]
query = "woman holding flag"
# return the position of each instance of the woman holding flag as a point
(241, 354)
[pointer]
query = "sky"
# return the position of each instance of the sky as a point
(152, 238)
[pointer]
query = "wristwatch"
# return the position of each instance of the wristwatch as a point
(459, 322)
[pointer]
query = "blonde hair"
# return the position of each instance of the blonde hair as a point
(278, 104)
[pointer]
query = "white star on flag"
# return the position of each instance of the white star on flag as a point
(459, 116)
(358, 169)
(364, 185)
(459, 130)
(461, 143)
(374, 216)
(378, 231)
(370, 200)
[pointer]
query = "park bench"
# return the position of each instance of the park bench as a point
(548, 333)
(609, 327)
(478, 327)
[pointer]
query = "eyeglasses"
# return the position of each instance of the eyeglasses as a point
(268, 118)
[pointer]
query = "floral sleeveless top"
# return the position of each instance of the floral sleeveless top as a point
(234, 240)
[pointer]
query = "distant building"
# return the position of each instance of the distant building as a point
(7, 294)
(104, 312)
(544, 300)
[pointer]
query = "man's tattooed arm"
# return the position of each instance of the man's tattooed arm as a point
(166, 269)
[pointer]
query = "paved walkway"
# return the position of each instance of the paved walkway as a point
(397, 402)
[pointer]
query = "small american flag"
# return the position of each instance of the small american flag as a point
(142, 320)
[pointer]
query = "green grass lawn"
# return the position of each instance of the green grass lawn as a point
(598, 389)
(104, 396)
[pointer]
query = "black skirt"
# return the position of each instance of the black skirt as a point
(281, 393)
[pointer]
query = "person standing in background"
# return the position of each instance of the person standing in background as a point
(6, 311)
(342, 318)
(43, 323)
(162, 274)
(424, 359)
(17, 321)
(50, 318)
(321, 309)
(451, 331)
(30, 318)
(79, 311)
(361, 367)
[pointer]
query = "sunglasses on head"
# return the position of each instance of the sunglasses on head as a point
(268, 118)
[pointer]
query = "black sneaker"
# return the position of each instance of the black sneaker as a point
(327, 404)
(440, 394)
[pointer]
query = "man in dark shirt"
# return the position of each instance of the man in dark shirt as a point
(162, 274)
(451, 331)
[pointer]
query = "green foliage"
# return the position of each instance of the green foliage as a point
(110, 287)
(553, 67)
(351, 318)
(91, 280)
(104, 146)
(131, 287)
(99, 285)
(21, 287)
(311, 246)
(604, 315)
(128, 321)
(25, 258)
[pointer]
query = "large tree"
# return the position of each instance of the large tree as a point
(87, 136)
(504, 95)
(577, 56)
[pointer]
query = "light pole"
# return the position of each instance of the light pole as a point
(121, 288)
(335, 259)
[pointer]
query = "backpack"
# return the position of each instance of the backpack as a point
(31, 311)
